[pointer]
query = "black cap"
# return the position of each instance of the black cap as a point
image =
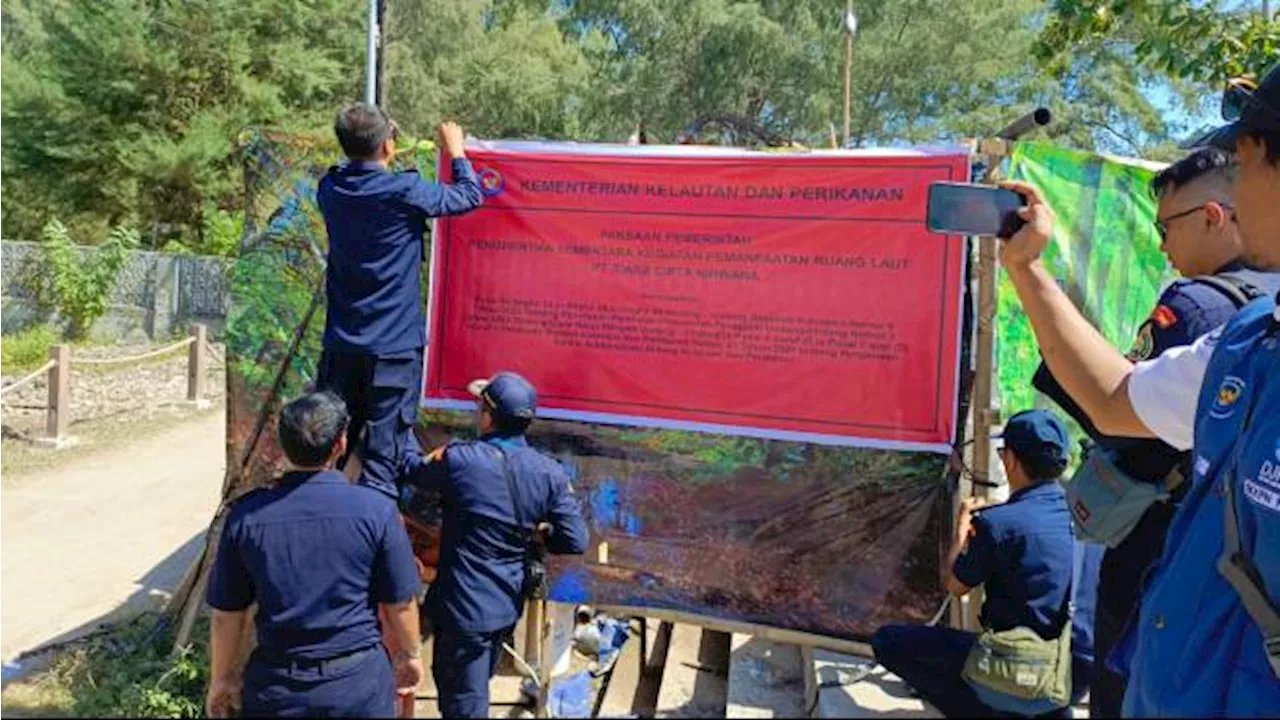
(507, 394)
(1245, 105)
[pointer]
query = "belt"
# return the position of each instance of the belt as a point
(325, 666)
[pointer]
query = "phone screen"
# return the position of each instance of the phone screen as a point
(964, 209)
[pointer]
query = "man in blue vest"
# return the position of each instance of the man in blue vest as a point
(1200, 236)
(375, 330)
(323, 559)
(1021, 552)
(1206, 639)
(500, 497)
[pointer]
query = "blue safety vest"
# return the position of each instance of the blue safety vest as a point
(1194, 650)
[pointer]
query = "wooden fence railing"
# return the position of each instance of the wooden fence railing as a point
(58, 407)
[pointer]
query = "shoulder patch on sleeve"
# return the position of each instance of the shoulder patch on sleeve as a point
(1164, 317)
(1144, 344)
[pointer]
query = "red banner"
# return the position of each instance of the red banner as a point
(773, 295)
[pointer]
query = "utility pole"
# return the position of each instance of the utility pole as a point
(380, 72)
(850, 27)
(371, 57)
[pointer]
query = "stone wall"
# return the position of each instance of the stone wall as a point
(156, 295)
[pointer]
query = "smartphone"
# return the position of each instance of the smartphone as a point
(967, 209)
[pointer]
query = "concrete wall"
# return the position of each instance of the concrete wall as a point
(156, 295)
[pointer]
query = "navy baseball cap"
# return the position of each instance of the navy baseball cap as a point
(1245, 105)
(1037, 434)
(507, 394)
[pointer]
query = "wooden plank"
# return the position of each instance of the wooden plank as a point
(854, 687)
(766, 679)
(622, 685)
(810, 681)
(695, 679)
(780, 635)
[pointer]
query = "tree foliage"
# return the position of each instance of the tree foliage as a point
(127, 111)
(1198, 41)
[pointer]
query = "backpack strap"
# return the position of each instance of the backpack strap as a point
(1239, 291)
(1240, 572)
(1068, 609)
(511, 489)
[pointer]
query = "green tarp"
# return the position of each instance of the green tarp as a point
(1105, 253)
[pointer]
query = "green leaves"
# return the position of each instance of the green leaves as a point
(127, 111)
(78, 284)
(1200, 41)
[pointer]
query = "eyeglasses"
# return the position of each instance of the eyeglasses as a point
(1162, 224)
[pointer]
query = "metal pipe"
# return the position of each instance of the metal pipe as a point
(1032, 120)
(371, 59)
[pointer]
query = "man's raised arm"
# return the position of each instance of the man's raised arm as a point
(1092, 372)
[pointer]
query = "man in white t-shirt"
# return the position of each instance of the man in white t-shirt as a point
(1198, 646)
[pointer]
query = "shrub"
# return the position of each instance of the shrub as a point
(78, 285)
(27, 349)
(129, 672)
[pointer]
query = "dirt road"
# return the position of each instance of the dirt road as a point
(107, 534)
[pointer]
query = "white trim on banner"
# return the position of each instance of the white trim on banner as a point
(737, 430)
(702, 151)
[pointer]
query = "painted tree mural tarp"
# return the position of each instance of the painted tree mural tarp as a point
(827, 540)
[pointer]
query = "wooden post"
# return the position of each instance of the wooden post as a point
(984, 416)
(197, 367)
(544, 660)
(534, 618)
(58, 418)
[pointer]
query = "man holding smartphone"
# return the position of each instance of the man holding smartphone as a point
(1206, 638)
(1200, 236)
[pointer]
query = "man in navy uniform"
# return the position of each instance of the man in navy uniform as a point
(1199, 234)
(1205, 641)
(497, 493)
(375, 330)
(322, 558)
(1022, 553)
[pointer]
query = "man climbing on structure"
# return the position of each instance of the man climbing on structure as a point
(375, 330)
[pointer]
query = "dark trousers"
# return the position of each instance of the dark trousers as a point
(357, 686)
(462, 664)
(931, 661)
(382, 394)
(1119, 592)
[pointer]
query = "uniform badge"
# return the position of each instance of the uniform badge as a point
(1144, 345)
(1164, 317)
(1228, 393)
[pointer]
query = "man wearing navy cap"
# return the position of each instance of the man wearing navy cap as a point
(1022, 553)
(1205, 641)
(499, 495)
